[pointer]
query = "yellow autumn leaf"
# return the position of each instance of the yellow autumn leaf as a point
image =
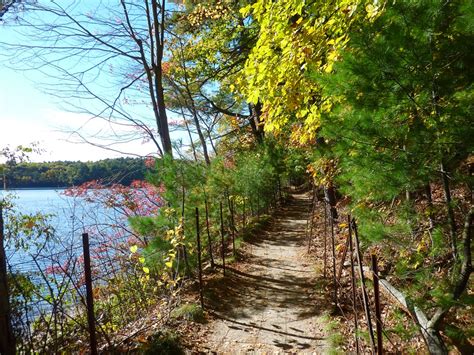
(133, 249)
(146, 270)
(141, 259)
(169, 264)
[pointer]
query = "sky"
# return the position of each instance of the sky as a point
(28, 114)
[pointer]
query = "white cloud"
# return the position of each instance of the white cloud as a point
(52, 129)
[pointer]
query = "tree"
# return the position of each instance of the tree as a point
(217, 42)
(6, 5)
(182, 96)
(12, 157)
(401, 122)
(86, 51)
(295, 38)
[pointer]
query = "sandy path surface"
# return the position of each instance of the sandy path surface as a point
(270, 303)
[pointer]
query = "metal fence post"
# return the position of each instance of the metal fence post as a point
(353, 284)
(325, 237)
(333, 250)
(378, 313)
(232, 221)
(7, 340)
(222, 240)
(209, 239)
(365, 297)
(199, 258)
(89, 296)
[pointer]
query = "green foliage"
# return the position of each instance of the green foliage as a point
(296, 38)
(387, 132)
(22, 291)
(405, 333)
(335, 338)
(25, 231)
(166, 343)
(400, 91)
(368, 97)
(245, 182)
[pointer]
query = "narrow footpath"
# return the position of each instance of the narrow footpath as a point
(270, 303)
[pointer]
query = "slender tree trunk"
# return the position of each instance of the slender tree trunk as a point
(450, 210)
(330, 196)
(211, 141)
(190, 137)
(153, 67)
(259, 121)
(254, 121)
(194, 113)
(159, 29)
(209, 240)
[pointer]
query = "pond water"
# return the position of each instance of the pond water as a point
(69, 217)
(37, 200)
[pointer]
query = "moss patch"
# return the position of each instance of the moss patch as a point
(189, 311)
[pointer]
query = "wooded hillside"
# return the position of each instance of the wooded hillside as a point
(68, 173)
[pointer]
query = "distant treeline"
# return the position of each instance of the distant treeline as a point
(69, 173)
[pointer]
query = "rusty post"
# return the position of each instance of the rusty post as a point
(209, 240)
(325, 238)
(7, 339)
(353, 284)
(222, 239)
(201, 298)
(89, 296)
(232, 221)
(333, 250)
(344, 255)
(365, 297)
(310, 237)
(378, 313)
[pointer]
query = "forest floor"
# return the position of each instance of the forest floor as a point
(269, 303)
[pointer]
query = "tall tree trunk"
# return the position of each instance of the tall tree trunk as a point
(163, 121)
(450, 210)
(212, 142)
(159, 36)
(194, 111)
(330, 196)
(255, 121)
(153, 66)
(190, 136)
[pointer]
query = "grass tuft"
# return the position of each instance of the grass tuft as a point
(189, 311)
(166, 343)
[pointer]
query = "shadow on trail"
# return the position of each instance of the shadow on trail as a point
(256, 326)
(269, 282)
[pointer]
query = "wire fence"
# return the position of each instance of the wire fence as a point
(68, 293)
(343, 265)
(47, 289)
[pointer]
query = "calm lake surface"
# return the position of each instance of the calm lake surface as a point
(37, 200)
(69, 217)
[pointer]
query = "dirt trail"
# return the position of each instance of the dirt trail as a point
(270, 304)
